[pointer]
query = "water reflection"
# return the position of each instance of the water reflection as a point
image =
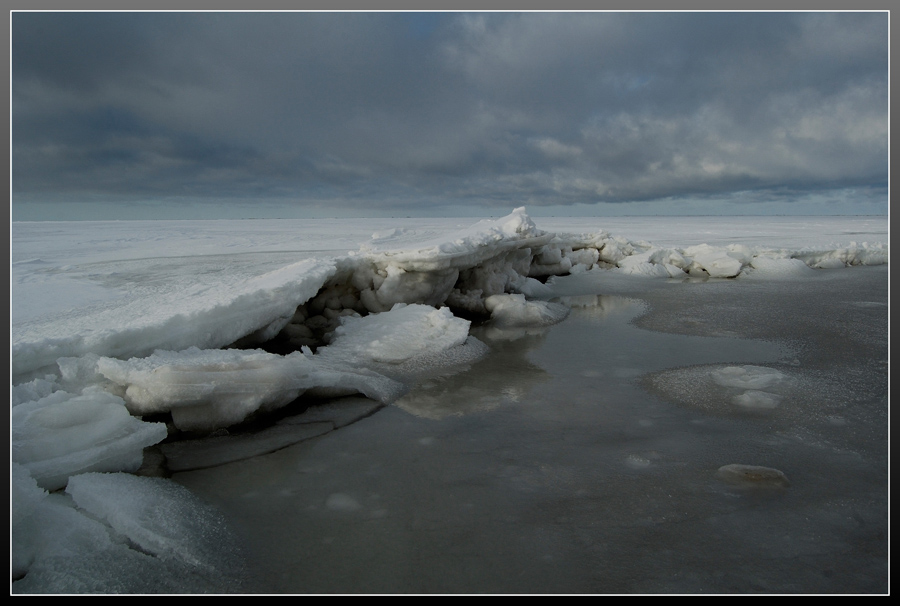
(600, 306)
(503, 377)
(507, 375)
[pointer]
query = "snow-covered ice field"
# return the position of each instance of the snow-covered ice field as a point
(591, 405)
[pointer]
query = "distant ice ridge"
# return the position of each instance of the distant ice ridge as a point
(373, 321)
(301, 302)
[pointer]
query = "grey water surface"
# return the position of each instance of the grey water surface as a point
(585, 457)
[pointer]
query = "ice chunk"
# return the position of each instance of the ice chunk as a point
(583, 256)
(65, 434)
(510, 311)
(208, 389)
(829, 263)
(533, 289)
(717, 262)
(408, 343)
(81, 372)
(638, 266)
(779, 268)
(755, 399)
(396, 336)
(550, 261)
(655, 263)
(115, 569)
(740, 252)
(491, 257)
(864, 253)
(506, 272)
(613, 249)
(748, 377)
(25, 497)
(25, 494)
(33, 390)
(399, 285)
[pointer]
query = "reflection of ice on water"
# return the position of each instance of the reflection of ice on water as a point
(504, 376)
(600, 306)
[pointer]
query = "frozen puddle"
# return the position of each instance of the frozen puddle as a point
(727, 389)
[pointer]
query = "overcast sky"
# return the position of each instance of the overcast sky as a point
(140, 115)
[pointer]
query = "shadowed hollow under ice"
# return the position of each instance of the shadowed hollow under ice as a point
(206, 325)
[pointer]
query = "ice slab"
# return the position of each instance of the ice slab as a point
(408, 343)
(66, 434)
(208, 389)
(514, 311)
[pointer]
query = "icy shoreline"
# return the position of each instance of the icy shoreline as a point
(378, 319)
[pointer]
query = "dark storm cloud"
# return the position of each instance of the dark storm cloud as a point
(489, 107)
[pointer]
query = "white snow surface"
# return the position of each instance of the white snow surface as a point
(111, 321)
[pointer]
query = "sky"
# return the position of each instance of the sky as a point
(240, 115)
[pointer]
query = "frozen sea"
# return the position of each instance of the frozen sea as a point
(669, 433)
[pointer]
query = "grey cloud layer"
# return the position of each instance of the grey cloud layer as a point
(394, 108)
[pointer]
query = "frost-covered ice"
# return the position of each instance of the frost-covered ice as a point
(80, 541)
(750, 382)
(213, 323)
